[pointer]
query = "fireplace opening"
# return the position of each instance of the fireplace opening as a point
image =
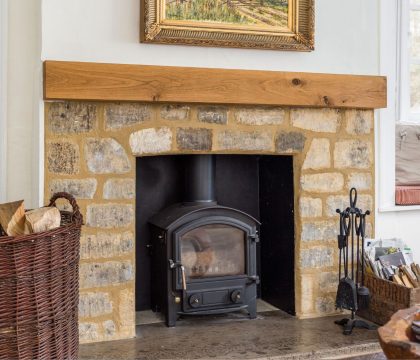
(199, 246)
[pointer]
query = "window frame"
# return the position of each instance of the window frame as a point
(404, 62)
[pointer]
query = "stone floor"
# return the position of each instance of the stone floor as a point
(273, 335)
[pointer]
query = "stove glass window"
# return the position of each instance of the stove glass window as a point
(213, 250)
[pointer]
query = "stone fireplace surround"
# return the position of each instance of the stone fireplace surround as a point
(91, 149)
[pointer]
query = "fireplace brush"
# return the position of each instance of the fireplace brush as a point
(363, 294)
(352, 293)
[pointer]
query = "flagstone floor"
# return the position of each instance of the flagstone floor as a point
(273, 335)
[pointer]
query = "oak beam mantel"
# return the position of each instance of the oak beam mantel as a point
(116, 82)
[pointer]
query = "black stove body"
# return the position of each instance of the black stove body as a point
(204, 254)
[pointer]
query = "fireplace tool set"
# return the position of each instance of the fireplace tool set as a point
(352, 293)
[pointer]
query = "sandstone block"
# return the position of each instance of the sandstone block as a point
(106, 245)
(246, 141)
(260, 115)
(80, 189)
(325, 305)
(361, 181)
(88, 332)
(109, 328)
(319, 231)
(194, 139)
(109, 215)
(151, 141)
(369, 230)
(307, 283)
(318, 257)
(359, 122)
(290, 142)
(364, 202)
(119, 189)
(175, 112)
(318, 120)
(126, 312)
(310, 207)
(120, 115)
(213, 114)
(92, 304)
(353, 154)
(94, 275)
(328, 281)
(327, 182)
(63, 157)
(318, 156)
(71, 117)
(106, 156)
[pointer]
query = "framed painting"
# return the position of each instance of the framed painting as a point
(257, 24)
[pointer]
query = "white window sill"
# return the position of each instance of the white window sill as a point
(399, 208)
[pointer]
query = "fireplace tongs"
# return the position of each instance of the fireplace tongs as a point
(175, 264)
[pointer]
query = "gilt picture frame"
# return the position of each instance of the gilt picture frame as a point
(255, 24)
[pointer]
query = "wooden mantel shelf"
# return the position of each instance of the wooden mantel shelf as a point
(117, 82)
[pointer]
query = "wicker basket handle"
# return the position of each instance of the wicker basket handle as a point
(77, 216)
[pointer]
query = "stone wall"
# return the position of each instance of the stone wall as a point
(91, 149)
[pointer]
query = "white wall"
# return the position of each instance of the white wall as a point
(4, 24)
(24, 72)
(108, 31)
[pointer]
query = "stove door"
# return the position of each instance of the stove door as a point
(213, 251)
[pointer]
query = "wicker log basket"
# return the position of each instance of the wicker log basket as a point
(39, 290)
(386, 298)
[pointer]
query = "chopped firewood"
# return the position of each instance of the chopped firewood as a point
(411, 277)
(414, 270)
(396, 279)
(43, 219)
(405, 280)
(12, 218)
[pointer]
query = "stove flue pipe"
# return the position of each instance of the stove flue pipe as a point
(199, 179)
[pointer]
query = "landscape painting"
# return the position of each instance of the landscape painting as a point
(254, 24)
(273, 13)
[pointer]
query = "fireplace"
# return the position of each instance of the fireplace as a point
(289, 168)
(203, 254)
(221, 250)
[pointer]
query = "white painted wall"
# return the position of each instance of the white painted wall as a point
(4, 24)
(108, 31)
(21, 166)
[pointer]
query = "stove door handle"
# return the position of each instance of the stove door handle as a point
(254, 278)
(184, 281)
(174, 264)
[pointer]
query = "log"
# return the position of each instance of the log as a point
(414, 270)
(43, 219)
(410, 275)
(396, 337)
(12, 218)
(405, 280)
(396, 279)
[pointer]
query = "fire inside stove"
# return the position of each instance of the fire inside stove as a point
(213, 250)
(204, 254)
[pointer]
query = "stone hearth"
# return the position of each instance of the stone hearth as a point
(273, 335)
(91, 149)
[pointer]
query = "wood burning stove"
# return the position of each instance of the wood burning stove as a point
(203, 254)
